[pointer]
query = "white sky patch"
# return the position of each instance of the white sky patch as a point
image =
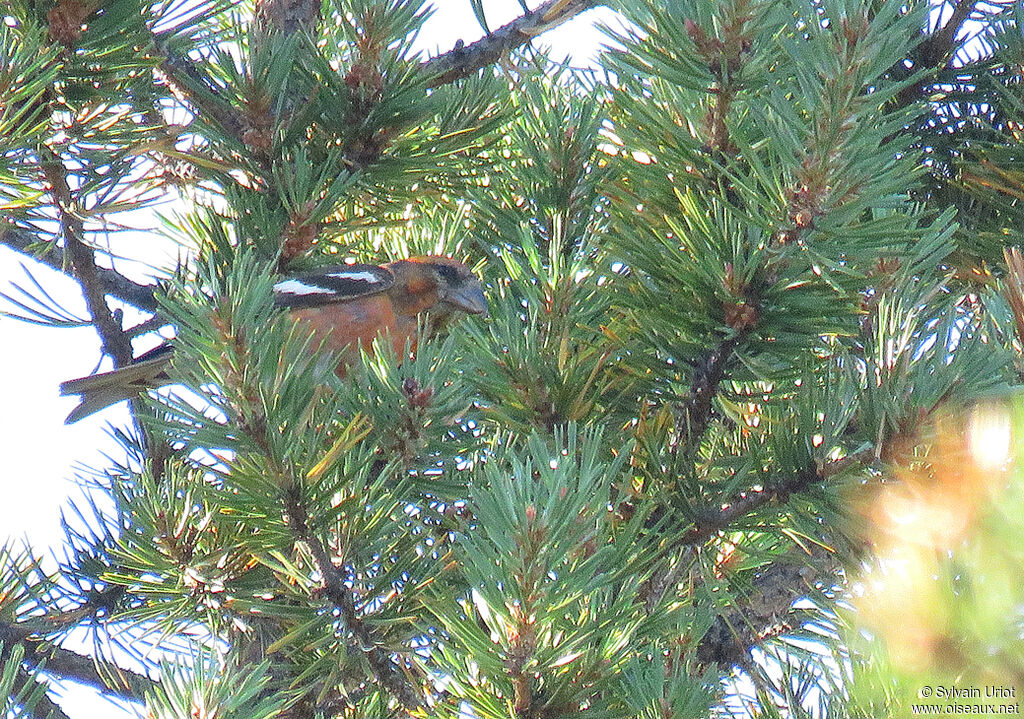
(297, 287)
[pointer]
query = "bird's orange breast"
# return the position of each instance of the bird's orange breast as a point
(342, 327)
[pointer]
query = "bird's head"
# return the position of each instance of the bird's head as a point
(439, 284)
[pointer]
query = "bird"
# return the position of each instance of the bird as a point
(342, 307)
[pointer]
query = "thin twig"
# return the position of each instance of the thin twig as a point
(934, 51)
(938, 47)
(464, 61)
(335, 589)
(66, 665)
(150, 325)
(115, 342)
(113, 282)
(694, 412)
(706, 527)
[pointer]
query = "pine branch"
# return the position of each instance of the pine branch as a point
(464, 61)
(183, 75)
(724, 60)
(115, 341)
(758, 615)
(335, 589)
(252, 420)
(707, 526)
(938, 47)
(288, 16)
(63, 665)
(934, 51)
(694, 413)
(66, 665)
(113, 282)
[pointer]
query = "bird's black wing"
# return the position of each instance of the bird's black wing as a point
(334, 283)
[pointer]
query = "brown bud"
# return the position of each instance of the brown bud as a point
(589, 548)
(66, 20)
(257, 138)
(298, 238)
(365, 79)
(739, 315)
(885, 266)
(421, 399)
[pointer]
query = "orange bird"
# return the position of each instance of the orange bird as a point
(344, 307)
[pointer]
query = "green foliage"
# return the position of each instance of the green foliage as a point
(204, 691)
(28, 69)
(24, 588)
(21, 694)
(556, 606)
(550, 349)
(24, 584)
(741, 285)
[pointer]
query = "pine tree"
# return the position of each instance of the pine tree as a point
(746, 282)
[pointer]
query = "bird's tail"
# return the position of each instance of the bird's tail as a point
(99, 391)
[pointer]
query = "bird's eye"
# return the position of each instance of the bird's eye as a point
(447, 273)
